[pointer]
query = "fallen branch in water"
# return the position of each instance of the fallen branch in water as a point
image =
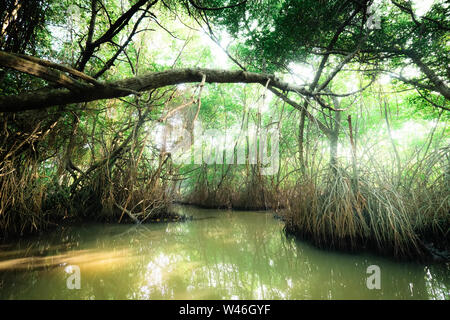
(128, 212)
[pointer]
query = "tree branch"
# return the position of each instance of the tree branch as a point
(44, 98)
(196, 6)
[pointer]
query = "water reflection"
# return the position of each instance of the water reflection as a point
(218, 255)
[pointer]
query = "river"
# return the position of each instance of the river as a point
(220, 254)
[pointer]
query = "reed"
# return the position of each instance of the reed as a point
(241, 190)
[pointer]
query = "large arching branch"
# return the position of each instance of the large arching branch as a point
(44, 98)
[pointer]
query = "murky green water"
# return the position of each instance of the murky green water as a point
(218, 255)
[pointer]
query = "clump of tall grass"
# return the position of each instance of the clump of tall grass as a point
(242, 190)
(126, 193)
(28, 202)
(332, 214)
(427, 186)
(393, 214)
(32, 198)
